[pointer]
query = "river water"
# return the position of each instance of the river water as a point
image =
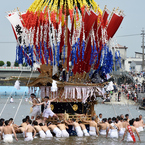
(106, 110)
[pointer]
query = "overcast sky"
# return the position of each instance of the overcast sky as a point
(133, 23)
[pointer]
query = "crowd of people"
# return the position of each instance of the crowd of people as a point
(112, 127)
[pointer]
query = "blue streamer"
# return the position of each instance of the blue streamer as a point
(37, 53)
(83, 50)
(51, 56)
(75, 52)
(91, 59)
(58, 50)
(40, 51)
(32, 55)
(78, 45)
(45, 53)
(54, 53)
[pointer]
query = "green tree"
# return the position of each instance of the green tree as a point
(16, 64)
(8, 63)
(1, 63)
(24, 64)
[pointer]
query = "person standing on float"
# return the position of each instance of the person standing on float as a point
(47, 108)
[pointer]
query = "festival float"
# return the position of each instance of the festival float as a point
(68, 42)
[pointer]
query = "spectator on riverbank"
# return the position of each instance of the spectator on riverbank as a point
(143, 102)
(11, 100)
(119, 95)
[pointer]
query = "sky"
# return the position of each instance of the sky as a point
(127, 35)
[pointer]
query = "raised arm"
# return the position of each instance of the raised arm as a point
(39, 103)
(53, 99)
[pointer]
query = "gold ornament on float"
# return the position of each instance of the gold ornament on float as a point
(52, 107)
(75, 107)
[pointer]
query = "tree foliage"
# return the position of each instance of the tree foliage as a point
(16, 64)
(24, 64)
(1, 63)
(8, 63)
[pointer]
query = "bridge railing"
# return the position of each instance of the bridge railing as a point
(13, 68)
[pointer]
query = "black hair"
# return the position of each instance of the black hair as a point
(118, 117)
(105, 119)
(27, 118)
(46, 97)
(2, 119)
(137, 119)
(35, 122)
(40, 124)
(49, 123)
(126, 115)
(6, 122)
(109, 119)
(30, 121)
(11, 119)
(121, 118)
(1, 123)
(24, 120)
(113, 119)
(73, 119)
(80, 122)
(32, 94)
(93, 118)
(125, 119)
(131, 122)
(100, 114)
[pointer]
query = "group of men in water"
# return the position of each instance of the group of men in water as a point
(112, 127)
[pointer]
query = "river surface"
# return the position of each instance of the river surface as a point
(106, 110)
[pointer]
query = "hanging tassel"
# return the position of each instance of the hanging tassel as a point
(17, 47)
(25, 55)
(54, 53)
(37, 53)
(32, 60)
(78, 45)
(75, 52)
(40, 51)
(83, 50)
(58, 50)
(91, 59)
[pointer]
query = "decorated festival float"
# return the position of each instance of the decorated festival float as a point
(69, 43)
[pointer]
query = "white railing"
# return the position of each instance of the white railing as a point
(13, 68)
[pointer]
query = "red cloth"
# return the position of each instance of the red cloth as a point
(131, 133)
(114, 24)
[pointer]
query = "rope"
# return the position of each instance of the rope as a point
(9, 96)
(127, 104)
(22, 98)
(114, 109)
